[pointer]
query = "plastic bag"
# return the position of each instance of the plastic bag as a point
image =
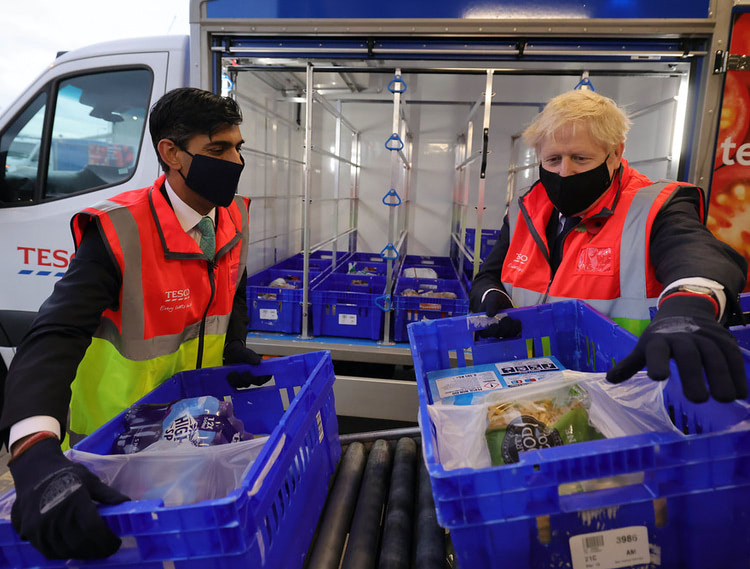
(200, 421)
(175, 474)
(553, 414)
(633, 407)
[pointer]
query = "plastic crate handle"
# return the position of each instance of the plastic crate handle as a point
(626, 488)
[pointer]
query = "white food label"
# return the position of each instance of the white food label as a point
(467, 383)
(610, 549)
(269, 314)
(348, 319)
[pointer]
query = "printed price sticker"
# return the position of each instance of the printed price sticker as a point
(467, 383)
(348, 319)
(269, 314)
(610, 549)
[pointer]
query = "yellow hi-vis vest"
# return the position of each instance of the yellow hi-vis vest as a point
(174, 305)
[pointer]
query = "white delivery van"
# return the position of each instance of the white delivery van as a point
(388, 129)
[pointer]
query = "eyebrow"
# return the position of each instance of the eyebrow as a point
(221, 144)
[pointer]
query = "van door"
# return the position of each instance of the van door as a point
(80, 137)
(77, 137)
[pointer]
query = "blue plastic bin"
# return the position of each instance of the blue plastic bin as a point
(276, 309)
(365, 257)
(410, 309)
(441, 271)
(488, 240)
(742, 333)
(694, 498)
(374, 268)
(348, 305)
(269, 520)
(319, 261)
(428, 261)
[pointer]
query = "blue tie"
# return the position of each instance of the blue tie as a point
(208, 237)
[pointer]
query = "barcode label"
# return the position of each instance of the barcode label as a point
(610, 549)
(593, 542)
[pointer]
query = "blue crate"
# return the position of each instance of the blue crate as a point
(742, 333)
(275, 309)
(488, 240)
(375, 268)
(701, 482)
(442, 271)
(319, 261)
(428, 261)
(410, 309)
(347, 305)
(365, 257)
(269, 520)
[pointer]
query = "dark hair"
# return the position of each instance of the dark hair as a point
(183, 113)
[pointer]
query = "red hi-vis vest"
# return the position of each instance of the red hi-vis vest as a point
(174, 305)
(605, 260)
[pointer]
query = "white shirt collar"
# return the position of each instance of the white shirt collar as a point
(186, 215)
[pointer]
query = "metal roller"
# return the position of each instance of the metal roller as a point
(395, 549)
(333, 527)
(430, 537)
(364, 536)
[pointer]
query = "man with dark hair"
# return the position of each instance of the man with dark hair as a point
(157, 286)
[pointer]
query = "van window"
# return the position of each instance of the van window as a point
(19, 153)
(97, 130)
(92, 140)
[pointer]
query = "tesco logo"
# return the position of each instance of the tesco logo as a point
(59, 258)
(177, 295)
(742, 155)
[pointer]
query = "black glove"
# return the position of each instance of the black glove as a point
(507, 327)
(494, 301)
(235, 352)
(685, 329)
(54, 507)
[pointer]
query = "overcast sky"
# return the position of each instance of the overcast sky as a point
(33, 31)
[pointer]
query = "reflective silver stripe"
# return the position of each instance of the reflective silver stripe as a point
(635, 304)
(132, 311)
(138, 349)
(514, 211)
(240, 201)
(633, 247)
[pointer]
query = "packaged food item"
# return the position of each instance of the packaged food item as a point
(472, 384)
(200, 421)
(419, 273)
(489, 414)
(557, 417)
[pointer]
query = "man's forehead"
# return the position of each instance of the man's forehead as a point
(229, 135)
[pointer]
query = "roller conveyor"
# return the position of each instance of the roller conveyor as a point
(380, 512)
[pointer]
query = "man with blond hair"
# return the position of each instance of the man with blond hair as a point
(595, 229)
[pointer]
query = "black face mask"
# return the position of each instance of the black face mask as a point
(573, 194)
(213, 178)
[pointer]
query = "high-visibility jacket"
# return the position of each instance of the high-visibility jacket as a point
(174, 304)
(605, 259)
